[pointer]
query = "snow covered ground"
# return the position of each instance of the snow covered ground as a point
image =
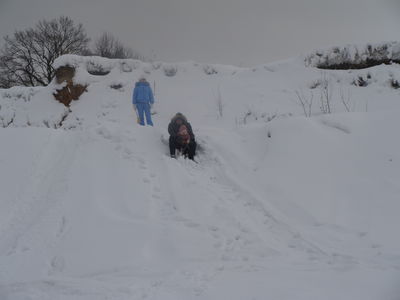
(280, 205)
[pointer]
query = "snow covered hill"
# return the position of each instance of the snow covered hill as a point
(296, 194)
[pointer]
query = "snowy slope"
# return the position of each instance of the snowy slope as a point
(280, 205)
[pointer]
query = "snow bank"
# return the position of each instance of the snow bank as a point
(217, 93)
(91, 68)
(30, 106)
(280, 205)
(36, 106)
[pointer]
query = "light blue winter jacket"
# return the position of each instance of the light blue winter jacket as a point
(142, 93)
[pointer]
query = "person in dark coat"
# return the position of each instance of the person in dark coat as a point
(181, 137)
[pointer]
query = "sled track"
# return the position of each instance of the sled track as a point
(255, 221)
(45, 187)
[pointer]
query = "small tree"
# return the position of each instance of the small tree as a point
(325, 95)
(109, 46)
(27, 58)
(305, 102)
(346, 99)
(220, 104)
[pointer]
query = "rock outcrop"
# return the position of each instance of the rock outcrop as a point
(71, 91)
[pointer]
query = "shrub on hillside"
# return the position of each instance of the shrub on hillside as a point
(210, 70)
(170, 70)
(355, 57)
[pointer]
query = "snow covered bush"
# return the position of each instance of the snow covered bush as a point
(314, 84)
(125, 67)
(156, 65)
(355, 57)
(394, 83)
(360, 81)
(170, 70)
(136, 64)
(94, 68)
(117, 86)
(209, 70)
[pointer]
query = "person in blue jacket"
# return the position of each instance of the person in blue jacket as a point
(142, 100)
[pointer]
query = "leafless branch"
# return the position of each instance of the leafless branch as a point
(27, 57)
(306, 103)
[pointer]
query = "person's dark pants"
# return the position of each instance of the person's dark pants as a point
(188, 150)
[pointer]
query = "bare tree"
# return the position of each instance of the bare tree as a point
(326, 95)
(220, 104)
(27, 58)
(109, 46)
(305, 102)
(346, 99)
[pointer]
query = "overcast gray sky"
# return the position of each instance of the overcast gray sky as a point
(238, 32)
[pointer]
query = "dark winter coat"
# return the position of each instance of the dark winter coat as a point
(173, 127)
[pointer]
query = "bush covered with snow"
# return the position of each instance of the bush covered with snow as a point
(210, 70)
(170, 70)
(355, 57)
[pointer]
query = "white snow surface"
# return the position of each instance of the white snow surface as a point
(279, 205)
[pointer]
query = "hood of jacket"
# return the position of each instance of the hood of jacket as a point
(142, 83)
(179, 116)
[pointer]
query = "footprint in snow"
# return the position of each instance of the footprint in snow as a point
(62, 227)
(128, 151)
(57, 265)
(155, 196)
(191, 224)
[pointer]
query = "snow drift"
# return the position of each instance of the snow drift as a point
(288, 200)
